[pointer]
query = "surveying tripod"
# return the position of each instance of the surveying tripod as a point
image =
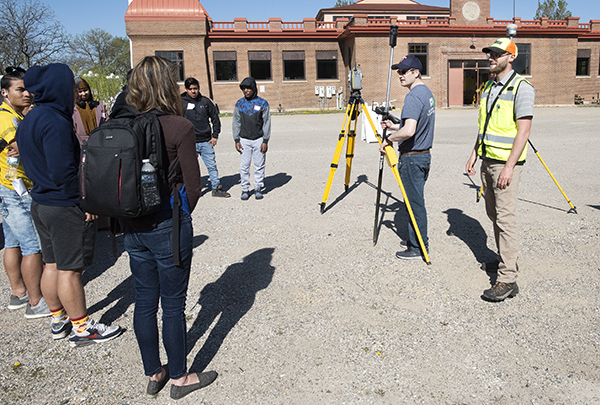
(349, 130)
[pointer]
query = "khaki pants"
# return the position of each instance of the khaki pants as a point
(501, 207)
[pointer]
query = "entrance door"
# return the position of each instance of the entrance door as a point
(464, 81)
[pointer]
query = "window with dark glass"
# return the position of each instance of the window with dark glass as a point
(293, 65)
(327, 66)
(225, 66)
(522, 64)
(421, 52)
(177, 58)
(583, 62)
(260, 64)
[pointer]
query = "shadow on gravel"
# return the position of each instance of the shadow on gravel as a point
(105, 255)
(199, 240)
(361, 179)
(229, 298)
(593, 206)
(227, 182)
(470, 231)
(276, 181)
(122, 295)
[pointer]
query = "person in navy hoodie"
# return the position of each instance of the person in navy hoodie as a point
(50, 155)
(251, 133)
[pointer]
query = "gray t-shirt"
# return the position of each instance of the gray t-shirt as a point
(420, 106)
(524, 99)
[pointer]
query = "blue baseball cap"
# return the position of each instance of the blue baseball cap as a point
(409, 62)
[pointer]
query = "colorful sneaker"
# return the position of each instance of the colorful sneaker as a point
(258, 193)
(17, 303)
(500, 291)
(39, 311)
(61, 329)
(245, 195)
(95, 332)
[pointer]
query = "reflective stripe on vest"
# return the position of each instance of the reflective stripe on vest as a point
(502, 127)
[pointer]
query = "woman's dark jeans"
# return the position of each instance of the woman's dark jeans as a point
(155, 276)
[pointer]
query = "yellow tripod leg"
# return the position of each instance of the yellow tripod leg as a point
(336, 156)
(350, 151)
(480, 193)
(392, 160)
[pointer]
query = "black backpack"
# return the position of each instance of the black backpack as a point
(110, 171)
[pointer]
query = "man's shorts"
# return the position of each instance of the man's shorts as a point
(17, 224)
(66, 238)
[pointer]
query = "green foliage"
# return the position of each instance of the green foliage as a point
(99, 51)
(342, 3)
(553, 10)
(104, 87)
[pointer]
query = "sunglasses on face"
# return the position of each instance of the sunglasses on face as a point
(403, 72)
(495, 55)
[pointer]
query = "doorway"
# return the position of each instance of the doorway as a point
(465, 80)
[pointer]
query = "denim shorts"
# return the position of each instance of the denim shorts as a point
(17, 224)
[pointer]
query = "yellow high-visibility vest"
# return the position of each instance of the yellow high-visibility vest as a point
(497, 142)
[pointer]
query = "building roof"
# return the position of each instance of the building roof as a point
(166, 10)
(392, 7)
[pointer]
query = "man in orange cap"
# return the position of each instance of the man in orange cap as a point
(505, 115)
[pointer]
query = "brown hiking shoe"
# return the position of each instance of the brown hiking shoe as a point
(500, 291)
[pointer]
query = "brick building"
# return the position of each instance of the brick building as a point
(291, 60)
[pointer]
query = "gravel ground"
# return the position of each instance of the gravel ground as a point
(294, 307)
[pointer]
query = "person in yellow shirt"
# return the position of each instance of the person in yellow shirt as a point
(22, 251)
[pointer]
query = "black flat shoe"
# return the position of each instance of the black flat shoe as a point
(204, 379)
(154, 387)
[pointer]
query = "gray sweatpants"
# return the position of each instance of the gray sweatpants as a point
(251, 150)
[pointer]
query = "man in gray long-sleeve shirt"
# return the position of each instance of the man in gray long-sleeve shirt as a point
(251, 133)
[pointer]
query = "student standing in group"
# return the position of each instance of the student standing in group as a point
(251, 134)
(152, 87)
(22, 251)
(50, 154)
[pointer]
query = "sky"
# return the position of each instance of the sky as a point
(78, 16)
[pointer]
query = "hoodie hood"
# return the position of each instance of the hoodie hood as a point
(52, 86)
(250, 82)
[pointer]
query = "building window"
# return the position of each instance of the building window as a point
(327, 67)
(260, 64)
(522, 64)
(421, 52)
(293, 65)
(225, 66)
(583, 62)
(177, 58)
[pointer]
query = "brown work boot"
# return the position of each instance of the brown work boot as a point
(500, 291)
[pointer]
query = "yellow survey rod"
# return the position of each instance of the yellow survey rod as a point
(480, 193)
(573, 209)
(392, 160)
(336, 156)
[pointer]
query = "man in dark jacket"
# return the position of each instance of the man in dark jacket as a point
(202, 112)
(50, 155)
(251, 134)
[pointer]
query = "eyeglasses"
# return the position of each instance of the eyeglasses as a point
(495, 55)
(404, 71)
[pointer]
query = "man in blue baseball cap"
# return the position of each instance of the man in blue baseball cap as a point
(415, 137)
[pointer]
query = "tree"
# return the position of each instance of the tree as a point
(30, 34)
(100, 52)
(552, 9)
(342, 3)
